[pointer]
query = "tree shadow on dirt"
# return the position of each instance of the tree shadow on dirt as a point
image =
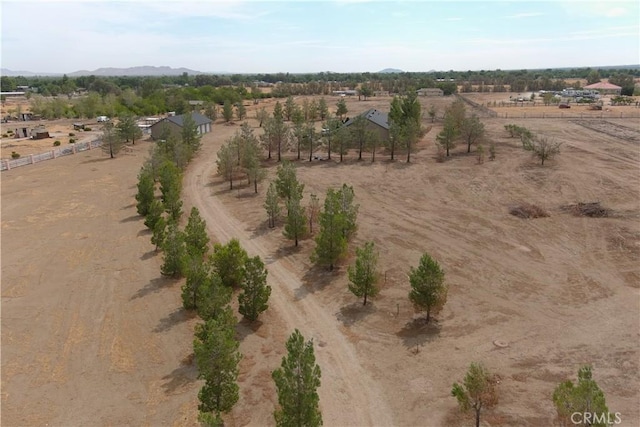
(314, 280)
(124, 208)
(417, 332)
(144, 232)
(261, 230)
(101, 159)
(244, 328)
(177, 316)
(148, 255)
(180, 378)
(154, 286)
(354, 312)
(132, 218)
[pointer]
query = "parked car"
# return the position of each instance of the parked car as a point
(102, 119)
(564, 105)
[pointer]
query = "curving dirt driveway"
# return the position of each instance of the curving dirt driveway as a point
(348, 395)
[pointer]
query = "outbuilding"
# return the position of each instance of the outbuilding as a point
(175, 124)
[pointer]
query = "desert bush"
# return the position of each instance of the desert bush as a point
(72, 140)
(492, 151)
(56, 143)
(10, 132)
(15, 155)
(528, 210)
(591, 209)
(72, 134)
(4, 135)
(480, 154)
(87, 128)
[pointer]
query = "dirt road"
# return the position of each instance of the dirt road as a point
(348, 395)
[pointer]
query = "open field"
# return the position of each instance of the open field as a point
(91, 334)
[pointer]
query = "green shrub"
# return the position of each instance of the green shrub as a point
(56, 144)
(4, 135)
(72, 134)
(15, 155)
(87, 128)
(72, 140)
(10, 132)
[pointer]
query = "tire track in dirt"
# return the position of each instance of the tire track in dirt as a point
(348, 395)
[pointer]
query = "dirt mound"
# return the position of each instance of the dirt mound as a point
(592, 209)
(527, 210)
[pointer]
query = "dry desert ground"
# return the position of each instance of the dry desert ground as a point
(92, 334)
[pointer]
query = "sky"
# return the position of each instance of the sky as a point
(312, 36)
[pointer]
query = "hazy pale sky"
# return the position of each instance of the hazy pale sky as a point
(310, 36)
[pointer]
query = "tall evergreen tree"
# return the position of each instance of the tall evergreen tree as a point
(477, 391)
(296, 225)
(287, 182)
(171, 187)
(272, 205)
(585, 397)
(196, 238)
(112, 142)
(363, 274)
(146, 191)
(297, 381)
(255, 292)
(189, 134)
(174, 252)
(127, 128)
(212, 296)
(216, 354)
(331, 243)
(428, 290)
(228, 261)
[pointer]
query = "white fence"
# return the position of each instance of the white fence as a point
(49, 155)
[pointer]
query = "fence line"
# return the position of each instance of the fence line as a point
(594, 115)
(49, 155)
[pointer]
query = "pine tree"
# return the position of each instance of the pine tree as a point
(212, 296)
(313, 209)
(583, 397)
(154, 214)
(363, 274)
(297, 381)
(198, 275)
(216, 354)
(476, 392)
(174, 252)
(255, 292)
(196, 238)
(146, 191)
(159, 236)
(189, 134)
(287, 182)
(331, 243)
(228, 261)
(348, 210)
(226, 161)
(428, 291)
(272, 205)
(296, 225)
(171, 187)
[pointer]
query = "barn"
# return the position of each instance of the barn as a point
(176, 123)
(377, 121)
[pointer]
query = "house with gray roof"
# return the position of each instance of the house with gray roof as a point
(176, 123)
(377, 121)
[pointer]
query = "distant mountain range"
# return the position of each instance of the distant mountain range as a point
(110, 72)
(168, 71)
(390, 71)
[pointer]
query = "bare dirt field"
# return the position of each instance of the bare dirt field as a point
(91, 334)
